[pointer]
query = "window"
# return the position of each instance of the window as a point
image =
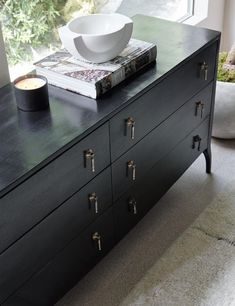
(176, 10)
(30, 27)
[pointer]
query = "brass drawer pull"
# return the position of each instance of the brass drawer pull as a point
(131, 166)
(133, 206)
(97, 238)
(90, 156)
(130, 124)
(93, 199)
(197, 140)
(199, 105)
(204, 70)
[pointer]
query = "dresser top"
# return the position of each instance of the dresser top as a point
(28, 141)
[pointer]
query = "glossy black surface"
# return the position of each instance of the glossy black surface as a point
(35, 249)
(168, 134)
(30, 140)
(161, 101)
(157, 181)
(40, 217)
(51, 186)
(67, 267)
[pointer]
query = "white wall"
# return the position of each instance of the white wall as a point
(4, 73)
(221, 17)
(229, 25)
(215, 16)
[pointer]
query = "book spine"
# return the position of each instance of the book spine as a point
(127, 70)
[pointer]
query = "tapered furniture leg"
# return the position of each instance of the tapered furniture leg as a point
(207, 154)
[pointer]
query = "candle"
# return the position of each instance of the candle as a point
(31, 92)
(30, 83)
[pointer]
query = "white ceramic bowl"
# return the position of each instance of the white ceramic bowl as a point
(97, 38)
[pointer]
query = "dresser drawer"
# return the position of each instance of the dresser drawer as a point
(135, 203)
(67, 267)
(45, 240)
(131, 166)
(29, 203)
(145, 113)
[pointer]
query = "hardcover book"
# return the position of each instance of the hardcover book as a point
(93, 80)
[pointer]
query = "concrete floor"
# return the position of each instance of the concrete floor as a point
(113, 278)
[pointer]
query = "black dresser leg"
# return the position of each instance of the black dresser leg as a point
(207, 154)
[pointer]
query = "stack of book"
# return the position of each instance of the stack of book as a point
(93, 80)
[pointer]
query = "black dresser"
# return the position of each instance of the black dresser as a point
(76, 178)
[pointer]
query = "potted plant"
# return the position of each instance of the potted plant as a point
(224, 116)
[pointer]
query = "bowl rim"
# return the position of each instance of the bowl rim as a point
(128, 20)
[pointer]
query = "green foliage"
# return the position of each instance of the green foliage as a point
(73, 8)
(32, 24)
(78, 6)
(29, 24)
(223, 74)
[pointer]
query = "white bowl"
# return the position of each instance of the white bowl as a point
(97, 38)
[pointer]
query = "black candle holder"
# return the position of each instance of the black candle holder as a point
(32, 99)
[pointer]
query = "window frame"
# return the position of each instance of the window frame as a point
(4, 74)
(190, 11)
(199, 13)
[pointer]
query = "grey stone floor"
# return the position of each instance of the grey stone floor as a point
(113, 278)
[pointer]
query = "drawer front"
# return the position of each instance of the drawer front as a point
(131, 166)
(34, 199)
(135, 203)
(63, 272)
(45, 240)
(140, 117)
